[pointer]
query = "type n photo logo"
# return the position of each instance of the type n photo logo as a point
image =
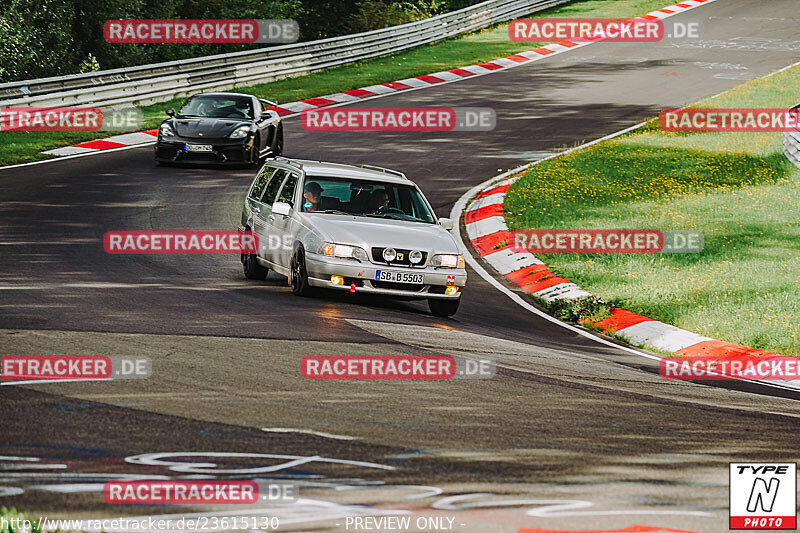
(763, 496)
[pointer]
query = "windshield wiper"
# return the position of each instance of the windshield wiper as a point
(335, 212)
(405, 218)
(392, 216)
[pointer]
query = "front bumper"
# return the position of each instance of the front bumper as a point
(223, 151)
(360, 278)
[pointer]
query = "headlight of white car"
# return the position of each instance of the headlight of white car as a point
(448, 261)
(344, 250)
(166, 131)
(240, 133)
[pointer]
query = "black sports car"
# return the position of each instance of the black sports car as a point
(220, 128)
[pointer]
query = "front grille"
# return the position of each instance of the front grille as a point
(411, 287)
(377, 256)
(167, 152)
(234, 154)
(200, 156)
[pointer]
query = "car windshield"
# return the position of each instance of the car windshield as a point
(218, 107)
(365, 198)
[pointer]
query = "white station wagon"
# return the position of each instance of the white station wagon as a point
(361, 229)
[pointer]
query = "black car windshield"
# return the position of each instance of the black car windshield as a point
(219, 106)
(365, 198)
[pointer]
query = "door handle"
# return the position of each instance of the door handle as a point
(272, 218)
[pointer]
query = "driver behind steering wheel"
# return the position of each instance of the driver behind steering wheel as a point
(204, 108)
(245, 109)
(378, 199)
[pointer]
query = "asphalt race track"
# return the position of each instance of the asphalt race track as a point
(570, 433)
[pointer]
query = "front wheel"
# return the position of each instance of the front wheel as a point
(298, 274)
(277, 142)
(252, 270)
(443, 308)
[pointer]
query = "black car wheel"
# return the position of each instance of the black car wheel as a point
(277, 142)
(443, 308)
(252, 270)
(299, 276)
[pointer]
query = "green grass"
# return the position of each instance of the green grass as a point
(10, 517)
(737, 188)
(488, 44)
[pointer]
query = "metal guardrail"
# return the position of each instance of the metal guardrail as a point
(146, 84)
(791, 144)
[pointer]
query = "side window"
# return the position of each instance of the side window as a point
(260, 182)
(256, 108)
(272, 187)
(287, 193)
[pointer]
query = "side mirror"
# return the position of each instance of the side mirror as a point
(447, 223)
(281, 208)
(171, 112)
(268, 114)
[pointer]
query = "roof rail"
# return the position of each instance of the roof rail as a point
(387, 170)
(288, 161)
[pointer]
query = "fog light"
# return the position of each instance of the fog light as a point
(449, 291)
(415, 257)
(337, 280)
(389, 255)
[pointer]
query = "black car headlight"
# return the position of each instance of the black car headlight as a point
(240, 133)
(166, 131)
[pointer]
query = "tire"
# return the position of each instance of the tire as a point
(277, 142)
(252, 270)
(443, 308)
(298, 275)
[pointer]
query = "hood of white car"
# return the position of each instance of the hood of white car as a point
(367, 232)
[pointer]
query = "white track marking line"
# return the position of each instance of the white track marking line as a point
(62, 158)
(308, 432)
(550, 509)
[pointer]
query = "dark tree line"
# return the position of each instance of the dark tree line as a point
(41, 38)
